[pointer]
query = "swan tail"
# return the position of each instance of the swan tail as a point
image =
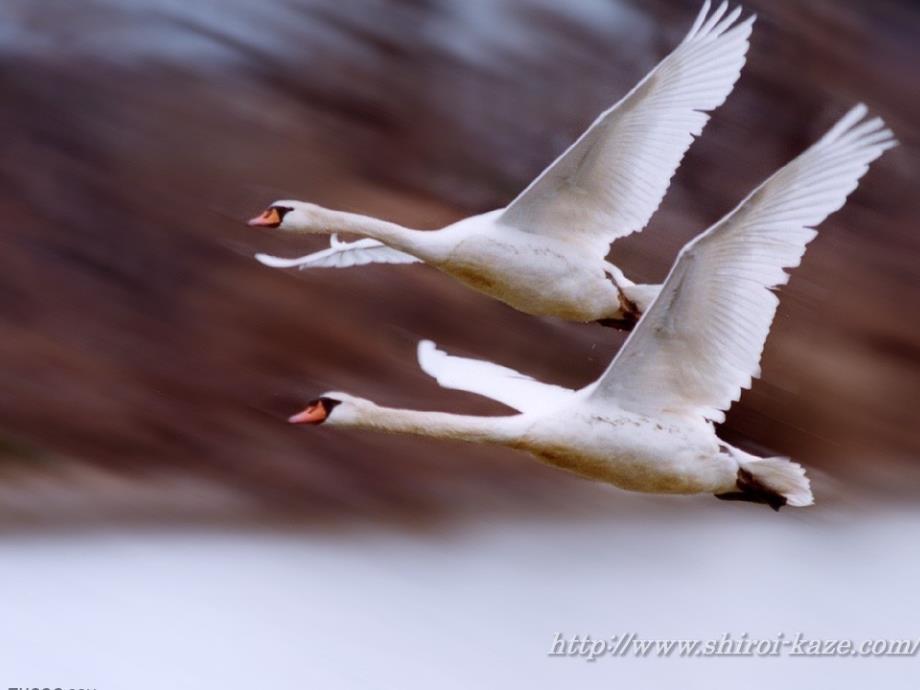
(775, 481)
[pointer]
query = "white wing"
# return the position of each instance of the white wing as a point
(700, 342)
(343, 255)
(612, 179)
(489, 380)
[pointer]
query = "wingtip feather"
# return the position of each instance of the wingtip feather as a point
(854, 129)
(717, 24)
(426, 351)
(269, 260)
(713, 19)
(698, 22)
(728, 21)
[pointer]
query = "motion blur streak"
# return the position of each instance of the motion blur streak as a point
(149, 362)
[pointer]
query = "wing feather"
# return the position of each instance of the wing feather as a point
(343, 255)
(700, 342)
(613, 178)
(489, 380)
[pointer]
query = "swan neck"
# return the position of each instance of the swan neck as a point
(391, 234)
(470, 428)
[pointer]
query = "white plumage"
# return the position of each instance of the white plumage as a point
(613, 178)
(507, 386)
(343, 255)
(699, 344)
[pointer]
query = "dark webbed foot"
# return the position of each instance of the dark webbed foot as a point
(627, 323)
(630, 318)
(752, 491)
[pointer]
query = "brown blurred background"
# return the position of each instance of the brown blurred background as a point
(147, 356)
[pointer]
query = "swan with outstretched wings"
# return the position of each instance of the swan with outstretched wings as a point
(545, 253)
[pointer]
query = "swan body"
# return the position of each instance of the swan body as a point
(647, 423)
(545, 252)
(549, 277)
(632, 451)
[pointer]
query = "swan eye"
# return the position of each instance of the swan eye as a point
(282, 211)
(329, 404)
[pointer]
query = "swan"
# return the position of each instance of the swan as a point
(647, 423)
(544, 253)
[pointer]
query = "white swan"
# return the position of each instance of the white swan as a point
(545, 253)
(647, 423)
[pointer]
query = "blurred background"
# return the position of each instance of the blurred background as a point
(160, 523)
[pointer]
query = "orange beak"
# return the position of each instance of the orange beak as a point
(314, 414)
(270, 218)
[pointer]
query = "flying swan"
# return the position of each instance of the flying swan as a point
(544, 254)
(647, 423)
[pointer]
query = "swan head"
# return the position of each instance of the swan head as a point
(333, 408)
(290, 215)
